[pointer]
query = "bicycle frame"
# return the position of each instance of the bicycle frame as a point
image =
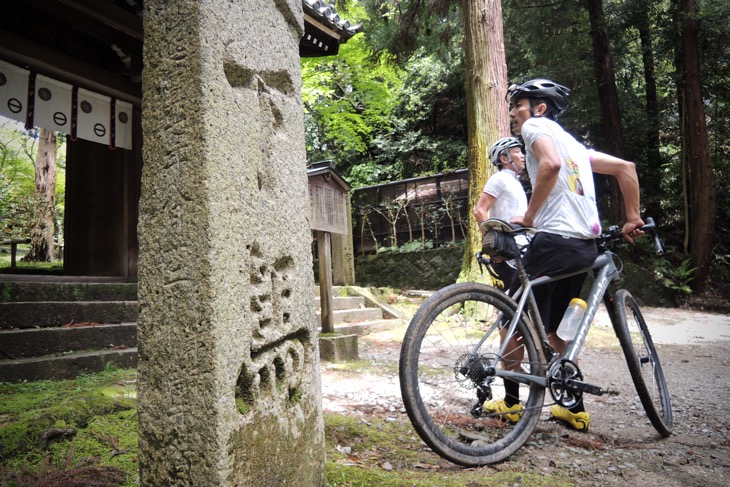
(606, 273)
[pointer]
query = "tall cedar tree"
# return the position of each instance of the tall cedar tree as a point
(700, 181)
(651, 186)
(608, 101)
(43, 230)
(487, 113)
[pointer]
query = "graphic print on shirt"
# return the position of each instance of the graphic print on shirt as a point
(574, 177)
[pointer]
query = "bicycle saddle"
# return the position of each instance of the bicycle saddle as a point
(506, 227)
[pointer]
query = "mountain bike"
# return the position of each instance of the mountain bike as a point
(455, 356)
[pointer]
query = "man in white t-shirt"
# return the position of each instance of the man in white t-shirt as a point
(563, 209)
(503, 196)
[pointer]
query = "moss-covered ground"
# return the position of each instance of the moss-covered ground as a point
(370, 451)
(22, 267)
(83, 432)
(62, 432)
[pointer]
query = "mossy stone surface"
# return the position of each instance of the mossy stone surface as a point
(229, 390)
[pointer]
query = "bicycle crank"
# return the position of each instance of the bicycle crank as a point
(566, 385)
(563, 377)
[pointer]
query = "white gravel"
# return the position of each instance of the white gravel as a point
(625, 450)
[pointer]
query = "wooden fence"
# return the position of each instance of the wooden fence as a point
(426, 209)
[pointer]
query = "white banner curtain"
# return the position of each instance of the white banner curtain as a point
(13, 91)
(94, 117)
(123, 125)
(52, 104)
(98, 118)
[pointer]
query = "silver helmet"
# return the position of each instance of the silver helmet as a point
(500, 146)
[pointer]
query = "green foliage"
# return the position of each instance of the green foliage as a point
(17, 185)
(673, 270)
(347, 101)
(678, 278)
(547, 40)
(17, 181)
(369, 173)
(722, 267)
(384, 118)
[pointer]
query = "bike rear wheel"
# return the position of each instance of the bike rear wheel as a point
(643, 362)
(445, 358)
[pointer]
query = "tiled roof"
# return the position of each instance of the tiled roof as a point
(324, 29)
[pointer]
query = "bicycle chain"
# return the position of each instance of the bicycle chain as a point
(544, 405)
(548, 366)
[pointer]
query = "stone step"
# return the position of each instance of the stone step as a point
(35, 342)
(57, 329)
(367, 327)
(67, 366)
(22, 291)
(58, 313)
(355, 315)
(344, 302)
(336, 290)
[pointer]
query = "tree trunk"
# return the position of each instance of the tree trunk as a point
(41, 235)
(609, 102)
(651, 186)
(700, 178)
(487, 114)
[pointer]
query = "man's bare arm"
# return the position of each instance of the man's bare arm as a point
(628, 182)
(481, 210)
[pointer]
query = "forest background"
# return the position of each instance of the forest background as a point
(394, 104)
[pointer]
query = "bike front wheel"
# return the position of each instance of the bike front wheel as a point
(643, 362)
(449, 367)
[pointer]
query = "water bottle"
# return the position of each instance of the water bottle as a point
(571, 319)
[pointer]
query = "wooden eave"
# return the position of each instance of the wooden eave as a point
(97, 44)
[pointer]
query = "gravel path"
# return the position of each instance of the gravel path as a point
(622, 447)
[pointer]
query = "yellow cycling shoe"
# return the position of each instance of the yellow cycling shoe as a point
(577, 421)
(509, 413)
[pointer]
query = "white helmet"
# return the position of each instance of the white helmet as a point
(500, 146)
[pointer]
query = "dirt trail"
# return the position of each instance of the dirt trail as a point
(622, 448)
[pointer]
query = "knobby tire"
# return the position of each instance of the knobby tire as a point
(438, 398)
(643, 361)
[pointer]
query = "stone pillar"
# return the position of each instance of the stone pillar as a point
(229, 388)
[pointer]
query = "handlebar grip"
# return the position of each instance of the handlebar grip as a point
(649, 226)
(659, 244)
(652, 229)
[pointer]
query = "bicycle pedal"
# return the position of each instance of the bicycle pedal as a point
(477, 411)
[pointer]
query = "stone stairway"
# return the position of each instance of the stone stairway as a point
(55, 327)
(357, 311)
